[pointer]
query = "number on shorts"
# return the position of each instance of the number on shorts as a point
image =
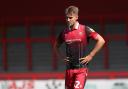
(77, 83)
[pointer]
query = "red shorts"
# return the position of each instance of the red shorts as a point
(76, 78)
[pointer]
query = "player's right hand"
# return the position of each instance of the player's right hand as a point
(66, 60)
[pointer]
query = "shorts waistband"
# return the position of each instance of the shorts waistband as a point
(75, 66)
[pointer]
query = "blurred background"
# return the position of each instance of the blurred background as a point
(28, 29)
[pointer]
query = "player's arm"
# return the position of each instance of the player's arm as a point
(99, 43)
(57, 44)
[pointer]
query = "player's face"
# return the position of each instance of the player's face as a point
(71, 19)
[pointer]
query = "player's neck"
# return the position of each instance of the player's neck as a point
(73, 26)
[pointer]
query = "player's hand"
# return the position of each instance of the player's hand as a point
(86, 59)
(66, 60)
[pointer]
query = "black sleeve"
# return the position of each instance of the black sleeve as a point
(60, 39)
(91, 33)
(88, 31)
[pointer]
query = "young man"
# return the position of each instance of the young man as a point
(76, 36)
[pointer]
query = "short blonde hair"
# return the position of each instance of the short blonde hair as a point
(72, 10)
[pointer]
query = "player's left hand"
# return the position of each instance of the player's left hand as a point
(66, 60)
(86, 59)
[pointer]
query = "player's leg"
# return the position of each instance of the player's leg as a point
(80, 78)
(69, 79)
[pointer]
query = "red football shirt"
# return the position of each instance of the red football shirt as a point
(76, 41)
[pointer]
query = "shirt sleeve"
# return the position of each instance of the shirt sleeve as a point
(60, 38)
(91, 33)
